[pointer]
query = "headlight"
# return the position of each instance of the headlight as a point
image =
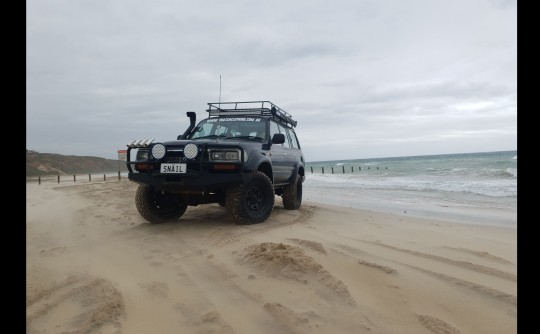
(142, 154)
(225, 155)
(158, 151)
(190, 151)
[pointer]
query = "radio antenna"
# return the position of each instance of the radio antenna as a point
(219, 102)
(219, 108)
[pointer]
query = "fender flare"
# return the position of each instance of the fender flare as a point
(257, 165)
(297, 167)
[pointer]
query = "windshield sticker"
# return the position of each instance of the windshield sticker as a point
(233, 119)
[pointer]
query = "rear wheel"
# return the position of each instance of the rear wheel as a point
(157, 206)
(252, 202)
(292, 194)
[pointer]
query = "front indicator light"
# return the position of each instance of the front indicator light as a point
(225, 167)
(144, 167)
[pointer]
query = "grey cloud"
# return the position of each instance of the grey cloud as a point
(365, 75)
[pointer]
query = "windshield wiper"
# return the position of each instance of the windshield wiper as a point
(209, 136)
(245, 137)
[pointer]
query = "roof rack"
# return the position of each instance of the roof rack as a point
(264, 108)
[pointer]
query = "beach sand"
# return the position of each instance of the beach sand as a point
(94, 266)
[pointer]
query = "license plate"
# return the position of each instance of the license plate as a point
(173, 168)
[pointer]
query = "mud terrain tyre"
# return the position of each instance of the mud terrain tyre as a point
(251, 202)
(158, 207)
(292, 194)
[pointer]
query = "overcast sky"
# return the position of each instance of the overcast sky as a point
(363, 78)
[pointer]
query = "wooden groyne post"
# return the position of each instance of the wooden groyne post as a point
(342, 169)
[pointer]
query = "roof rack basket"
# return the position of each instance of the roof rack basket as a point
(264, 108)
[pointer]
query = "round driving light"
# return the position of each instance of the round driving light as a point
(190, 151)
(158, 151)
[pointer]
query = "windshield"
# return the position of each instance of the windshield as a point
(230, 128)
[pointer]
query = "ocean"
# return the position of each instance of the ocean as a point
(477, 188)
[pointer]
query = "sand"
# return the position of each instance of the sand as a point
(94, 266)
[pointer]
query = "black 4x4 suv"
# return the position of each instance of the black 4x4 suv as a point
(241, 156)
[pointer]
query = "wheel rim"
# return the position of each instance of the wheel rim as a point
(255, 199)
(166, 204)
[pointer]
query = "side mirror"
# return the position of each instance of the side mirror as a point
(278, 138)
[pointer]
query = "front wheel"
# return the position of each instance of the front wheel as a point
(157, 206)
(292, 194)
(252, 202)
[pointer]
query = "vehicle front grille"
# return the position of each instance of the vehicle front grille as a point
(175, 154)
(175, 151)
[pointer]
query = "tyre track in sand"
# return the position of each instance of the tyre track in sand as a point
(219, 286)
(479, 288)
(458, 263)
(481, 254)
(229, 235)
(78, 304)
(209, 223)
(490, 292)
(202, 233)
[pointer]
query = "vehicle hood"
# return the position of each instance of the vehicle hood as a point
(212, 142)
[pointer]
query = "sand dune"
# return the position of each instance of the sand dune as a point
(94, 266)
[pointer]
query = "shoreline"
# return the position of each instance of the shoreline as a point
(454, 214)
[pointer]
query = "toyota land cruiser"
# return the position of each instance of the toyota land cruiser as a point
(241, 156)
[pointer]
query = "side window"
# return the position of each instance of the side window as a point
(273, 129)
(294, 140)
(287, 137)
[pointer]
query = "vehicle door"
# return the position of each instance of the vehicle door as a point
(278, 155)
(295, 152)
(290, 153)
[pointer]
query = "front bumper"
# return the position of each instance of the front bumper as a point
(194, 182)
(201, 175)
